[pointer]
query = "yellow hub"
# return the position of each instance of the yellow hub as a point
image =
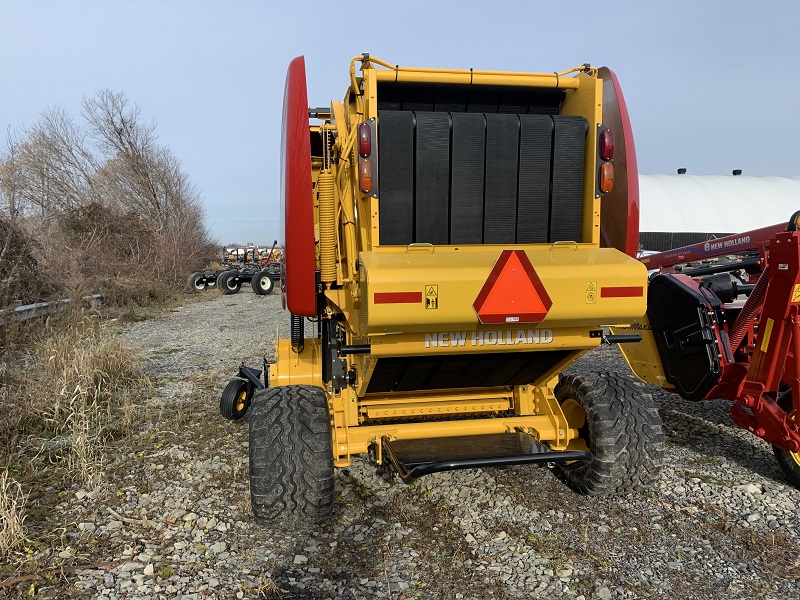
(576, 418)
(241, 400)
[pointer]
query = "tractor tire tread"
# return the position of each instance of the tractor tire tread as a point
(291, 459)
(626, 436)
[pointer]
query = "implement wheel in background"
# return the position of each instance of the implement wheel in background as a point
(291, 458)
(229, 283)
(235, 399)
(262, 283)
(619, 422)
(197, 282)
(789, 462)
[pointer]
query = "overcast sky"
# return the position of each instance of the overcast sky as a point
(710, 85)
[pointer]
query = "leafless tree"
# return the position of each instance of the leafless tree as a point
(118, 204)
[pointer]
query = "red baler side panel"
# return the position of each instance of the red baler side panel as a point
(298, 280)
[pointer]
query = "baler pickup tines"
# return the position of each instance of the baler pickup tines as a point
(412, 459)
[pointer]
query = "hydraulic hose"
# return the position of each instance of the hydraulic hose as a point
(751, 308)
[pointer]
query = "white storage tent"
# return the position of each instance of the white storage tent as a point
(676, 210)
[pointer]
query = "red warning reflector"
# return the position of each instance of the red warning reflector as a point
(513, 292)
(397, 297)
(636, 291)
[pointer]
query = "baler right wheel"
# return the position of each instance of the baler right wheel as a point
(291, 457)
(622, 429)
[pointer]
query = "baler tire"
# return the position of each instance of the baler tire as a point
(789, 462)
(262, 283)
(194, 282)
(624, 431)
(235, 399)
(291, 457)
(226, 283)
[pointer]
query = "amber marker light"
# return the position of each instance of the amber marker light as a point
(606, 177)
(365, 175)
(364, 139)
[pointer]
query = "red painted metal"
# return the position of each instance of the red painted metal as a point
(397, 297)
(636, 291)
(619, 212)
(760, 359)
(298, 282)
(770, 367)
(744, 322)
(731, 244)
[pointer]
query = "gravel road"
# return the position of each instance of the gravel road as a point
(722, 522)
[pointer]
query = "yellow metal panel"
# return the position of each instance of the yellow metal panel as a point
(543, 80)
(297, 368)
(482, 340)
(360, 438)
(418, 409)
(642, 357)
(459, 272)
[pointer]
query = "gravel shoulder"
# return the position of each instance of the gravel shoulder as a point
(175, 520)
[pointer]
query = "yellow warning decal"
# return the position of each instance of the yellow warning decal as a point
(432, 296)
(796, 293)
(591, 292)
(767, 334)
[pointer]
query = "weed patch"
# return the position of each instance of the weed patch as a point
(12, 514)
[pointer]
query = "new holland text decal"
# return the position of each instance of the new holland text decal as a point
(451, 339)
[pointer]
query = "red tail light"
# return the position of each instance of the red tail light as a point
(364, 139)
(606, 144)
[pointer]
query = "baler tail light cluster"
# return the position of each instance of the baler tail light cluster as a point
(605, 179)
(367, 168)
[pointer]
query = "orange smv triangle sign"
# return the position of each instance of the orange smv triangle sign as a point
(513, 292)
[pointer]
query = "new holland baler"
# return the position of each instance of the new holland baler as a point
(455, 239)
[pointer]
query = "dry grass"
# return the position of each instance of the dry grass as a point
(83, 379)
(64, 398)
(12, 514)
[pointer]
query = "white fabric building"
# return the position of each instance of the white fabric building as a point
(677, 210)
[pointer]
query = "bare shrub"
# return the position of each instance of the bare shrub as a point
(119, 214)
(12, 514)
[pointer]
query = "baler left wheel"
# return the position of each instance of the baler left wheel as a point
(291, 456)
(235, 399)
(619, 422)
